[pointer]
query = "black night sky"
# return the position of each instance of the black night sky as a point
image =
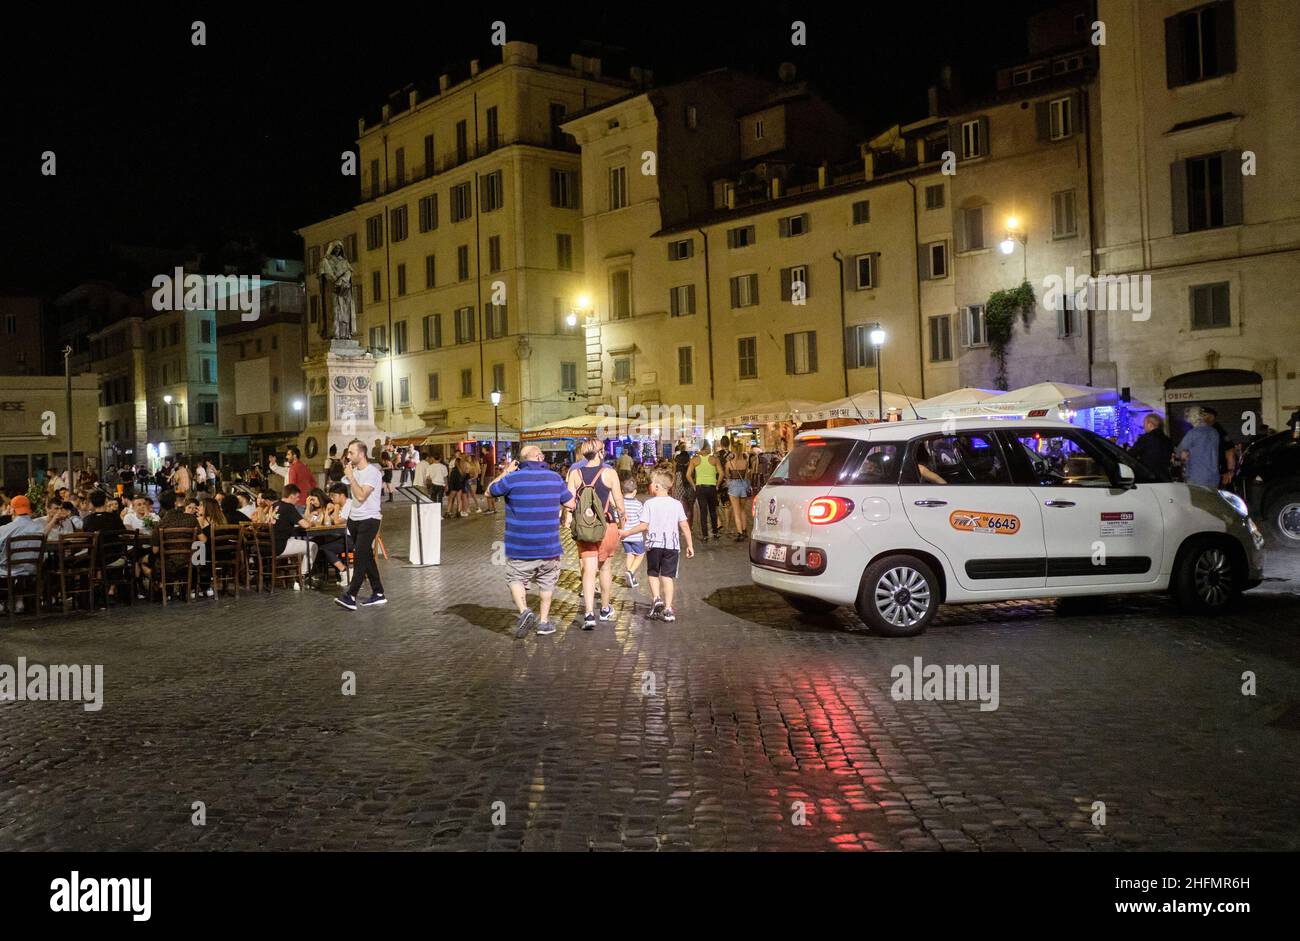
(163, 144)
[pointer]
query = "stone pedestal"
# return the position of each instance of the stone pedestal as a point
(340, 400)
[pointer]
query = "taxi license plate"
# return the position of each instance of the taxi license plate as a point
(774, 553)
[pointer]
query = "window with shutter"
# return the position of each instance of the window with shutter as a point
(685, 366)
(1200, 44)
(430, 271)
(973, 228)
(435, 391)
(1210, 306)
(940, 339)
(858, 351)
(862, 212)
(934, 196)
(747, 348)
(1064, 219)
(937, 253)
(866, 271)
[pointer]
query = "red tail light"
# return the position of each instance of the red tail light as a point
(825, 510)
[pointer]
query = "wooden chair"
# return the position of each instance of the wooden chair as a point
(226, 556)
(118, 551)
(76, 557)
(276, 569)
(252, 570)
(24, 571)
(175, 546)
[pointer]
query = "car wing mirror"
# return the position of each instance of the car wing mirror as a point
(1127, 479)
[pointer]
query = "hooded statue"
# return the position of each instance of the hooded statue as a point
(335, 270)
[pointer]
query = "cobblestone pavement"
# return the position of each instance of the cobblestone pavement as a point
(238, 704)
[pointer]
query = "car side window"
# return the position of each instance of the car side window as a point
(967, 459)
(1062, 459)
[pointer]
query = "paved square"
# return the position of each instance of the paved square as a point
(756, 716)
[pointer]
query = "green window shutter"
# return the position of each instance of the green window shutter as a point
(1225, 37)
(1043, 119)
(1230, 160)
(1175, 70)
(923, 262)
(789, 354)
(1178, 195)
(787, 284)
(735, 292)
(986, 144)
(812, 351)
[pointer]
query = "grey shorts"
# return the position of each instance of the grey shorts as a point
(545, 573)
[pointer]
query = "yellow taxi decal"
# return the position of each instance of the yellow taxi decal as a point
(973, 521)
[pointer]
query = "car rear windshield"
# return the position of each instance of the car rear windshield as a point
(832, 462)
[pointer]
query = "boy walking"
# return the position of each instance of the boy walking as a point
(664, 523)
(633, 546)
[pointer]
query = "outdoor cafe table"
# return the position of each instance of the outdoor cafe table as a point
(319, 534)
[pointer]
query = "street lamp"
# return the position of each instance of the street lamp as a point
(496, 424)
(1016, 234)
(877, 342)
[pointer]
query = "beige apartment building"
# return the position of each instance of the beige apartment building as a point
(1202, 158)
(755, 262)
(1022, 207)
(22, 350)
(263, 402)
(181, 393)
(117, 355)
(469, 246)
(34, 426)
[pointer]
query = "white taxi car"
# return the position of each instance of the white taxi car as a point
(900, 517)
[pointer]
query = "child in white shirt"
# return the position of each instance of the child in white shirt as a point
(633, 546)
(664, 522)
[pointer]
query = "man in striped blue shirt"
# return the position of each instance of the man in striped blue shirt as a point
(534, 496)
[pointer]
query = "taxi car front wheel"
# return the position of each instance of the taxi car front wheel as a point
(899, 596)
(1206, 579)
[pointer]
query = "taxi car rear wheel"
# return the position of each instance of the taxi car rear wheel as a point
(899, 596)
(1206, 579)
(806, 605)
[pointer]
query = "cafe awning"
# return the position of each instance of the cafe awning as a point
(861, 407)
(483, 432)
(770, 411)
(578, 426)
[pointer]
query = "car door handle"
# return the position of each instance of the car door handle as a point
(931, 502)
(1057, 503)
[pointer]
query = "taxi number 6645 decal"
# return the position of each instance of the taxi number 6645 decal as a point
(972, 521)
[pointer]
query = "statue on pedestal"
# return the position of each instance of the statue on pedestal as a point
(336, 285)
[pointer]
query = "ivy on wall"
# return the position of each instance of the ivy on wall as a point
(1000, 313)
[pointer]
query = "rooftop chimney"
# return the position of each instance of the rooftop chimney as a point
(473, 67)
(443, 82)
(412, 98)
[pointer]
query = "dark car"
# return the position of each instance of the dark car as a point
(1269, 481)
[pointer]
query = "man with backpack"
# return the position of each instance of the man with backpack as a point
(598, 505)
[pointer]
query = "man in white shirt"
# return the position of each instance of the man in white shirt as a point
(141, 515)
(432, 476)
(365, 487)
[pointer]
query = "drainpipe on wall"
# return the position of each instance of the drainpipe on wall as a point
(1092, 232)
(478, 264)
(388, 296)
(708, 312)
(920, 319)
(844, 324)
